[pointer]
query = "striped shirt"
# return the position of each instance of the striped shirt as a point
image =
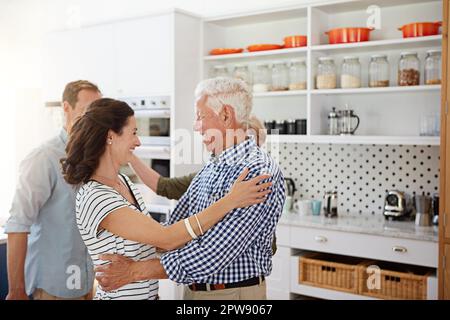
(94, 202)
(239, 246)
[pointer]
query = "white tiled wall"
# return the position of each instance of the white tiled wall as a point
(361, 174)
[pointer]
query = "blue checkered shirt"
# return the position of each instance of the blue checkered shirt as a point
(240, 246)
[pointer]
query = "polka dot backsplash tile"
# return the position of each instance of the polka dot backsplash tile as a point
(361, 174)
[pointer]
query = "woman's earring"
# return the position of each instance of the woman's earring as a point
(109, 141)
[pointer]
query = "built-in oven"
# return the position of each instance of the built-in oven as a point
(152, 115)
(152, 118)
(157, 158)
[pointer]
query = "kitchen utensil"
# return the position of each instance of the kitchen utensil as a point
(420, 29)
(346, 121)
(423, 210)
(295, 41)
(347, 35)
(435, 208)
(290, 186)
(287, 208)
(300, 125)
(263, 47)
(290, 191)
(333, 122)
(280, 127)
(331, 204)
(290, 126)
(219, 51)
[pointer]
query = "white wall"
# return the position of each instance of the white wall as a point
(23, 25)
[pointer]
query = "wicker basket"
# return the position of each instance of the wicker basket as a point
(394, 282)
(330, 271)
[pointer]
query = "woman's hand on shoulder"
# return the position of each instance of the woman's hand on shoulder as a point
(250, 192)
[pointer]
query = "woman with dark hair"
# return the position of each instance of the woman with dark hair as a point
(110, 211)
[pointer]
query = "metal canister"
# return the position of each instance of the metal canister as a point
(290, 126)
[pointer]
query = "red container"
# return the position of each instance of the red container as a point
(347, 35)
(420, 29)
(295, 41)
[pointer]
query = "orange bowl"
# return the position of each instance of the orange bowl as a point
(295, 41)
(218, 51)
(263, 47)
(420, 29)
(347, 35)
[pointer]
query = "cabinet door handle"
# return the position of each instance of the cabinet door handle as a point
(399, 249)
(320, 239)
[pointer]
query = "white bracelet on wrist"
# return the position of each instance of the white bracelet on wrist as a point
(189, 228)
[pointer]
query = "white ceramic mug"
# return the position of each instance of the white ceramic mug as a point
(304, 207)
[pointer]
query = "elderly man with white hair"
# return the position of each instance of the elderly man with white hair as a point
(231, 260)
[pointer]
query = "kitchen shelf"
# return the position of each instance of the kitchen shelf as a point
(378, 90)
(408, 43)
(390, 44)
(378, 140)
(389, 115)
(287, 93)
(279, 52)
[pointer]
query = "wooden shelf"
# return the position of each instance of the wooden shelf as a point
(378, 140)
(378, 90)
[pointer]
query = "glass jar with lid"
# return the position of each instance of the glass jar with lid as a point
(280, 76)
(262, 78)
(379, 71)
(326, 73)
(219, 71)
(297, 75)
(241, 72)
(351, 73)
(409, 69)
(433, 67)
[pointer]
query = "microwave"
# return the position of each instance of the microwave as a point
(152, 119)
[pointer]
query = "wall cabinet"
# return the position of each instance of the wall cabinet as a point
(143, 50)
(86, 53)
(127, 58)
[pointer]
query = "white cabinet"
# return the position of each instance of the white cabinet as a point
(86, 53)
(128, 58)
(143, 51)
(408, 251)
(278, 287)
(294, 241)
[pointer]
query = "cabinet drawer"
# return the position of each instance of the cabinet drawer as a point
(424, 253)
